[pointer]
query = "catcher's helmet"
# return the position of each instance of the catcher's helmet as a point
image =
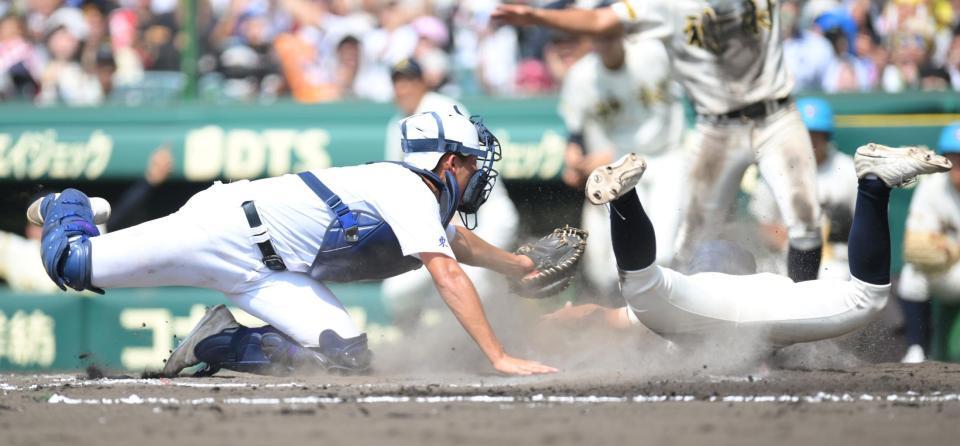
(426, 137)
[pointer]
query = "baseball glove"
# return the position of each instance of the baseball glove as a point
(556, 257)
(930, 252)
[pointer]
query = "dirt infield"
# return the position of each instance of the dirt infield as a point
(871, 404)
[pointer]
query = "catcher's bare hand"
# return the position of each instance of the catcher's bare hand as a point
(517, 15)
(522, 367)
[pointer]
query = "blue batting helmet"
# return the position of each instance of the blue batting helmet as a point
(950, 139)
(817, 114)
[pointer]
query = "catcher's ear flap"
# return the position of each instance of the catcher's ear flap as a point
(449, 198)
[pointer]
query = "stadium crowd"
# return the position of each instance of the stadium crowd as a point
(87, 52)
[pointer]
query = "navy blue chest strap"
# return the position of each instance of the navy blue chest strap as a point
(346, 218)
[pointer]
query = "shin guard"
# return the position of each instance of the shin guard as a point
(67, 228)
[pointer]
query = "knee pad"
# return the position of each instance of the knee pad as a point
(67, 228)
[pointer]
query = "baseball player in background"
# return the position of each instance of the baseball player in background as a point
(406, 295)
(723, 292)
(728, 55)
(270, 245)
(836, 188)
(617, 100)
(931, 247)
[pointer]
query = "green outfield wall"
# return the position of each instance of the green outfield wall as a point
(247, 141)
(134, 329)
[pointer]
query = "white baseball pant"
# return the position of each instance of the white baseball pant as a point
(781, 148)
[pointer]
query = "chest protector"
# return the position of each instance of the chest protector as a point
(359, 244)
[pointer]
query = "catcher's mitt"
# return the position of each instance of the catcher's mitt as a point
(556, 257)
(930, 252)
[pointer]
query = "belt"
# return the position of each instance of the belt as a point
(757, 110)
(261, 237)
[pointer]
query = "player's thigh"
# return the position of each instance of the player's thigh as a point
(717, 165)
(668, 302)
(175, 250)
(786, 162)
(815, 310)
(296, 305)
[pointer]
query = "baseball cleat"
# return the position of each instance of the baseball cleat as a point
(101, 211)
(898, 167)
(607, 183)
(215, 320)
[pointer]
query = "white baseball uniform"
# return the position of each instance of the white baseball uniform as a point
(497, 221)
(728, 55)
(836, 187)
(636, 108)
(20, 264)
(771, 307)
(935, 208)
(208, 243)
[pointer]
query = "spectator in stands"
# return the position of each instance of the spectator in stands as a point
(36, 14)
(348, 66)
(952, 63)
(247, 58)
(104, 68)
(845, 72)
(432, 38)
(934, 79)
(903, 71)
(157, 46)
(97, 35)
(64, 80)
(19, 63)
(874, 44)
(806, 51)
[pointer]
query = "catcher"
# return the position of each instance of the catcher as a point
(723, 292)
(270, 245)
(930, 248)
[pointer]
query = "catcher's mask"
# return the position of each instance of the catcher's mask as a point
(426, 137)
(722, 256)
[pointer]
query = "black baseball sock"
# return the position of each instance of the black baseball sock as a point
(916, 322)
(869, 246)
(634, 242)
(803, 264)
